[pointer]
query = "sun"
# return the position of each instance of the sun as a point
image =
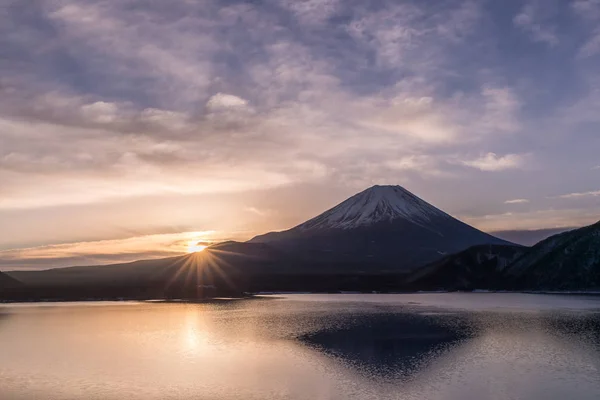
(195, 246)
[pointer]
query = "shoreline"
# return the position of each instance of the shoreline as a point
(264, 295)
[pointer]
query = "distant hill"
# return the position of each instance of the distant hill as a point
(384, 228)
(478, 267)
(225, 269)
(228, 257)
(567, 261)
(137, 271)
(6, 281)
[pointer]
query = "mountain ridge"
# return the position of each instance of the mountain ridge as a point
(563, 262)
(7, 281)
(568, 260)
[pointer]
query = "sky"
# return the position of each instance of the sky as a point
(130, 129)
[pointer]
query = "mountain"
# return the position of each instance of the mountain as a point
(383, 228)
(478, 267)
(567, 261)
(7, 281)
(136, 271)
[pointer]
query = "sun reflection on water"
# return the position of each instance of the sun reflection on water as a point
(194, 334)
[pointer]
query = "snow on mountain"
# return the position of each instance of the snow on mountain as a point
(376, 204)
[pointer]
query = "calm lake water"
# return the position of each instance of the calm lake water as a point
(421, 346)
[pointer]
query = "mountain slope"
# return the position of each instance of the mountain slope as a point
(227, 258)
(7, 281)
(569, 260)
(224, 269)
(383, 228)
(478, 267)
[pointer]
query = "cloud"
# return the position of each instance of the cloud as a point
(222, 101)
(535, 219)
(461, 22)
(111, 165)
(257, 211)
(592, 46)
(533, 20)
(516, 201)
(424, 165)
(414, 118)
(500, 108)
(312, 12)
(576, 195)
(100, 112)
(587, 8)
(122, 150)
(410, 162)
(167, 51)
(584, 110)
(493, 162)
(589, 11)
(69, 110)
(409, 37)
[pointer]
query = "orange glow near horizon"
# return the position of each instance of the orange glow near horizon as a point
(111, 251)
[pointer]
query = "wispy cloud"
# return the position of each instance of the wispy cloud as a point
(516, 201)
(587, 8)
(576, 195)
(592, 46)
(257, 211)
(103, 251)
(589, 11)
(493, 162)
(536, 219)
(311, 12)
(221, 101)
(533, 19)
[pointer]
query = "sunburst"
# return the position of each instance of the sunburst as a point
(203, 269)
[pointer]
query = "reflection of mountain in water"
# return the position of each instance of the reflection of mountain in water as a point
(391, 345)
(469, 349)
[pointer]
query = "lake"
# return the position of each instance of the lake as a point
(346, 346)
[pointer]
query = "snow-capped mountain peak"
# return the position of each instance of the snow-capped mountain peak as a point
(376, 204)
(381, 228)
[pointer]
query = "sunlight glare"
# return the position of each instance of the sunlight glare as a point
(194, 246)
